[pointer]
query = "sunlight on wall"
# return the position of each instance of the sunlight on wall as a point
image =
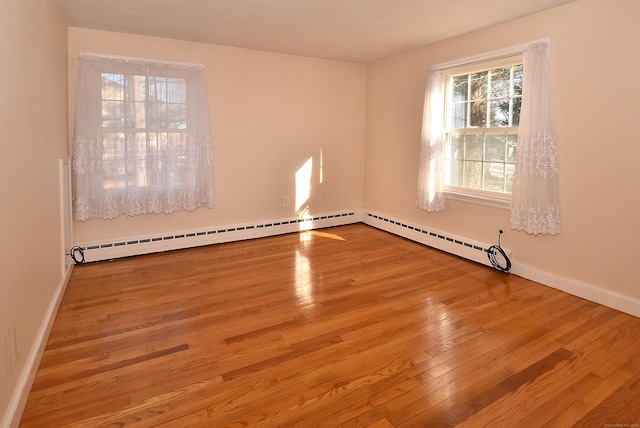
(304, 215)
(303, 188)
(303, 183)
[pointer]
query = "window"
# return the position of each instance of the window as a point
(144, 117)
(474, 121)
(480, 137)
(142, 143)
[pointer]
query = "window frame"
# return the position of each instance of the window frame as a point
(476, 64)
(470, 63)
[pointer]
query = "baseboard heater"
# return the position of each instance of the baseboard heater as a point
(444, 241)
(133, 246)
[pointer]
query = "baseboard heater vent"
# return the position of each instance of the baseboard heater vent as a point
(125, 247)
(457, 245)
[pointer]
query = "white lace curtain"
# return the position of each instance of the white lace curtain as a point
(142, 141)
(535, 199)
(431, 169)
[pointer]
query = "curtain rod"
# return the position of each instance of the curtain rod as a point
(141, 60)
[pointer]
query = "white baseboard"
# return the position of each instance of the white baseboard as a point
(20, 395)
(450, 243)
(138, 245)
(581, 289)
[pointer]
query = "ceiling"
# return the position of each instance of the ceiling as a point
(345, 30)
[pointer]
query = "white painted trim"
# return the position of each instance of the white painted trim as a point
(454, 244)
(66, 218)
(497, 201)
(18, 400)
(581, 289)
(505, 52)
(138, 245)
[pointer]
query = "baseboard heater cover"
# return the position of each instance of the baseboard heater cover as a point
(133, 246)
(457, 245)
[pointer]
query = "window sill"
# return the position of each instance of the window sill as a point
(491, 199)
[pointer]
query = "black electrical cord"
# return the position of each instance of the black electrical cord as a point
(493, 252)
(74, 251)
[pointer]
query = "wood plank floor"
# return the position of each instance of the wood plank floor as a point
(341, 327)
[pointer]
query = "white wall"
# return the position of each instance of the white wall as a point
(33, 119)
(270, 113)
(597, 93)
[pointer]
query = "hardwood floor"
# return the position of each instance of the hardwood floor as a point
(341, 327)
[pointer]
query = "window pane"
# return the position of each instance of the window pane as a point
(135, 115)
(177, 141)
(518, 76)
(136, 88)
(179, 170)
(115, 169)
(112, 114)
(158, 89)
(137, 173)
(136, 146)
(110, 141)
(517, 106)
(473, 146)
(157, 116)
(500, 79)
(494, 176)
(478, 114)
(112, 86)
(176, 90)
(460, 88)
(156, 142)
(494, 147)
(455, 146)
(499, 112)
(176, 116)
(454, 172)
(459, 115)
(512, 145)
(510, 169)
(472, 175)
(479, 85)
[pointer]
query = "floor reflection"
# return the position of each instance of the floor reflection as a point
(303, 279)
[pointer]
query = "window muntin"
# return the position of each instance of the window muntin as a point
(481, 128)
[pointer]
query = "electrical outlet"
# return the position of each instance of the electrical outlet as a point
(286, 201)
(11, 348)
